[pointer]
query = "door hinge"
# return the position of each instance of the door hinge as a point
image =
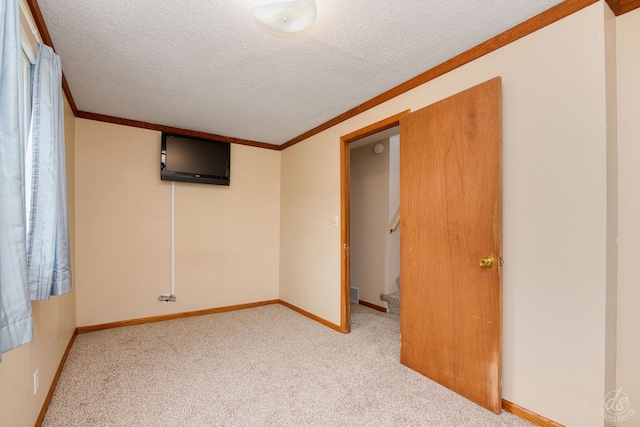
(346, 246)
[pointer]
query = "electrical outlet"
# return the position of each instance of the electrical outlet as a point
(36, 381)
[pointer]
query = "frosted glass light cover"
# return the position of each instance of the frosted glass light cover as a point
(285, 16)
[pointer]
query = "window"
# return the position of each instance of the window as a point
(28, 60)
(29, 38)
(26, 89)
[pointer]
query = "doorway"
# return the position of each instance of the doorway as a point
(374, 217)
(345, 207)
(451, 162)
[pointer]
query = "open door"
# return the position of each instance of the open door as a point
(451, 203)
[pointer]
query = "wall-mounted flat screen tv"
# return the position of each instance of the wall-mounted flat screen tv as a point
(190, 159)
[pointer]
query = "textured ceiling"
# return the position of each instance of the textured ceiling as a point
(207, 65)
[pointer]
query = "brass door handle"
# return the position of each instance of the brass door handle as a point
(486, 262)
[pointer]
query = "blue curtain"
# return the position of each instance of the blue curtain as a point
(48, 254)
(16, 326)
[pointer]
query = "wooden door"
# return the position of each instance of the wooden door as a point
(451, 204)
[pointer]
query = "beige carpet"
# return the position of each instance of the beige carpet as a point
(266, 366)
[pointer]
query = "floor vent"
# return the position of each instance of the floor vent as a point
(355, 295)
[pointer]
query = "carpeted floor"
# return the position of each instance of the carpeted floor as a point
(266, 366)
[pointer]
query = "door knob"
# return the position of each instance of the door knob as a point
(486, 262)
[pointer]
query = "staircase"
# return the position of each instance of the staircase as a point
(393, 300)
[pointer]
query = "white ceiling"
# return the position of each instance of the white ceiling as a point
(208, 65)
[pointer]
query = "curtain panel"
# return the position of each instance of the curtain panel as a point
(16, 325)
(48, 246)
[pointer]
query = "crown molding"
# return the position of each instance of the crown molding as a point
(529, 26)
(170, 129)
(620, 7)
(539, 21)
(46, 39)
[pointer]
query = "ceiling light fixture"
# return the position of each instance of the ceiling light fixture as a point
(285, 16)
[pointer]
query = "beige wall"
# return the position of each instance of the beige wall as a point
(370, 221)
(612, 203)
(309, 243)
(53, 321)
(227, 238)
(555, 212)
(628, 357)
(393, 258)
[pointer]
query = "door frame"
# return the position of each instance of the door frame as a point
(345, 209)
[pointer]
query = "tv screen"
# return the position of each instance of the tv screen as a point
(189, 159)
